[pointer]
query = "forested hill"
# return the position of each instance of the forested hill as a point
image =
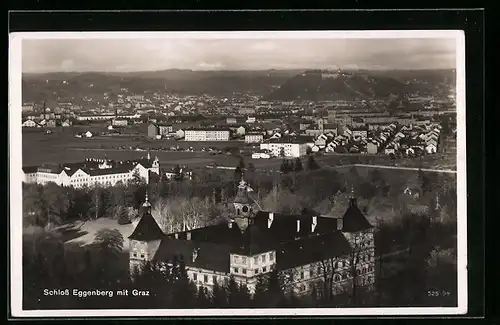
(38, 87)
(359, 85)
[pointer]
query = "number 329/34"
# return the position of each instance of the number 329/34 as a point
(437, 293)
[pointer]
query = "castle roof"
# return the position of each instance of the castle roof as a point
(354, 220)
(147, 229)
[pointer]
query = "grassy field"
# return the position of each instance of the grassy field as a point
(82, 234)
(62, 146)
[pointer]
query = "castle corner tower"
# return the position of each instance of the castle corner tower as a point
(144, 240)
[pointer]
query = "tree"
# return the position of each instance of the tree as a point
(178, 173)
(441, 268)
(202, 298)
(242, 163)
(378, 181)
(251, 173)
(298, 165)
(110, 245)
(219, 296)
(275, 295)
(259, 296)
(122, 215)
(238, 172)
(232, 292)
(282, 152)
(311, 163)
(285, 167)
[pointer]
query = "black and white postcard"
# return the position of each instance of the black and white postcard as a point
(237, 173)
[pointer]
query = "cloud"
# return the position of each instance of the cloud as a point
(210, 54)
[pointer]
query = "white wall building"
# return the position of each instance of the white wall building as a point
(92, 172)
(206, 135)
(289, 149)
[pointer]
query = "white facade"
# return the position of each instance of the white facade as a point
(254, 138)
(289, 149)
(82, 178)
(206, 135)
(105, 117)
(29, 124)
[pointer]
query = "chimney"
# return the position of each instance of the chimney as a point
(270, 219)
(188, 235)
(314, 223)
(195, 254)
(340, 223)
(298, 225)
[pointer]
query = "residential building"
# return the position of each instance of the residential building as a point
(246, 110)
(29, 124)
(51, 123)
(206, 135)
(66, 123)
(240, 131)
(254, 137)
(105, 117)
(231, 120)
(119, 122)
(254, 243)
(372, 147)
(287, 147)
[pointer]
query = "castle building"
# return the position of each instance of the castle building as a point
(307, 249)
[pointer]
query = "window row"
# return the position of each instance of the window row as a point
(264, 258)
(243, 271)
(204, 278)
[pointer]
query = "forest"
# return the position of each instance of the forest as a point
(415, 236)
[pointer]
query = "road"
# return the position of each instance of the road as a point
(449, 171)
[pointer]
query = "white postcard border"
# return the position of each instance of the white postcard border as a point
(15, 173)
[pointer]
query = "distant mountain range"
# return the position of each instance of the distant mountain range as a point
(359, 85)
(272, 84)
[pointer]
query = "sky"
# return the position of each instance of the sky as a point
(125, 55)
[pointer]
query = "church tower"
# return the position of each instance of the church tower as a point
(155, 166)
(144, 240)
(243, 206)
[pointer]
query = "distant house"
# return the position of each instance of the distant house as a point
(240, 130)
(390, 150)
(431, 148)
(29, 124)
(347, 133)
(51, 124)
(411, 192)
(179, 134)
(119, 122)
(372, 147)
(153, 130)
(251, 120)
(43, 122)
(304, 126)
(88, 134)
(164, 129)
(66, 123)
(330, 147)
(359, 133)
(231, 120)
(254, 137)
(110, 127)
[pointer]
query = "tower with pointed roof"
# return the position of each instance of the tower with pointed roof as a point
(242, 206)
(144, 240)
